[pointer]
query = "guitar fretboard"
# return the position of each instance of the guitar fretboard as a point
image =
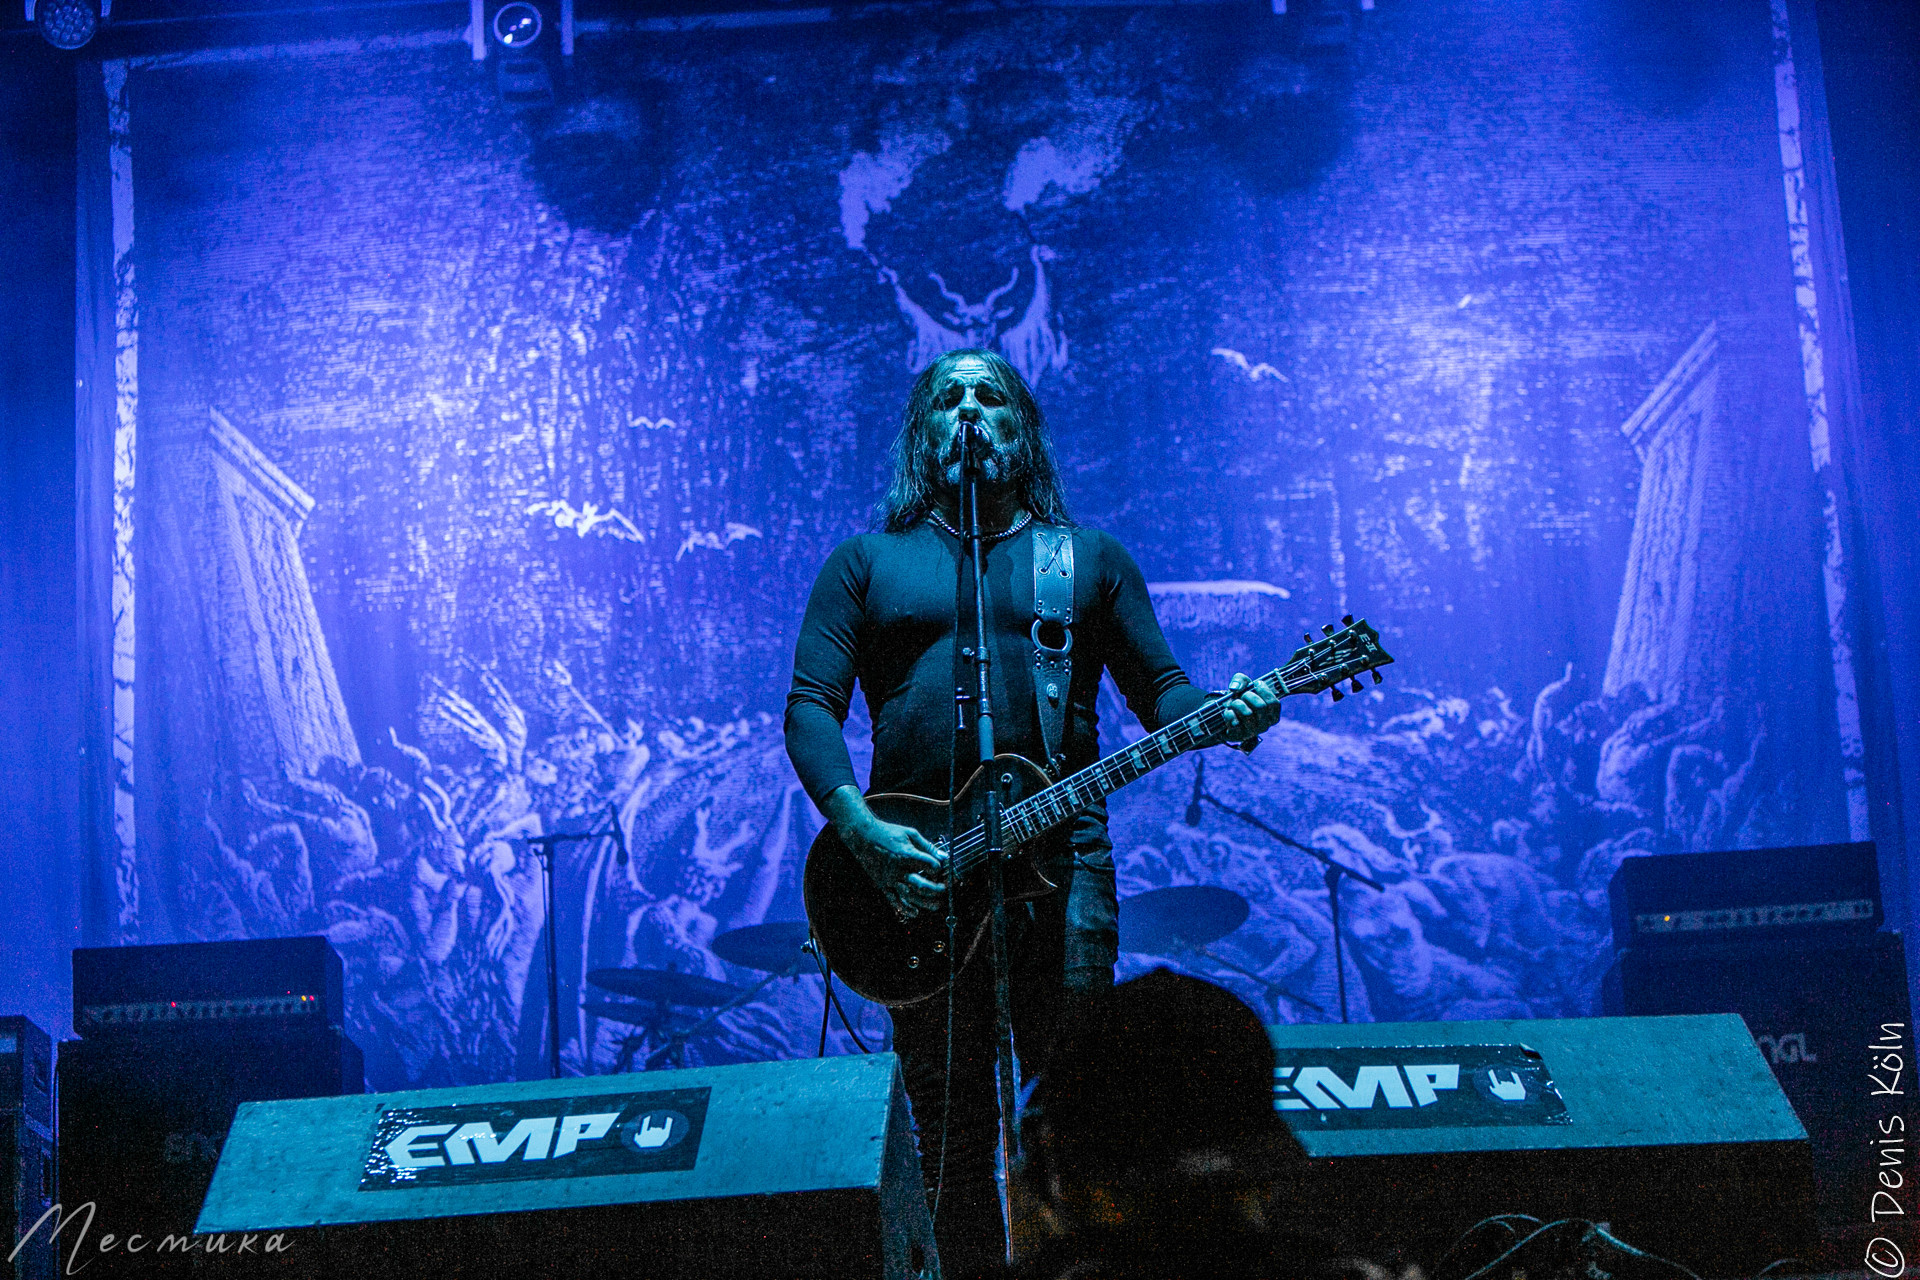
(1320, 665)
(1045, 810)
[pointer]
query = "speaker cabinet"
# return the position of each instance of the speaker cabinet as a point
(1823, 1016)
(26, 1193)
(143, 1120)
(26, 1146)
(790, 1169)
(26, 1069)
(1671, 1129)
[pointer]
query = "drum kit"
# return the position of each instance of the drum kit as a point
(653, 997)
(1177, 922)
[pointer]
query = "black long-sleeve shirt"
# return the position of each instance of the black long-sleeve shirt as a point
(882, 613)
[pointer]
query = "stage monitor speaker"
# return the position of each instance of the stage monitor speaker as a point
(142, 1121)
(789, 1169)
(1671, 1129)
(1832, 1021)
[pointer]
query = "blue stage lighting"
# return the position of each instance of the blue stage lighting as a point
(65, 24)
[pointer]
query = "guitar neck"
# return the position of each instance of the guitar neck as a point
(1318, 665)
(1047, 809)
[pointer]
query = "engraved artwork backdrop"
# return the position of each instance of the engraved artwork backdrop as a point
(474, 465)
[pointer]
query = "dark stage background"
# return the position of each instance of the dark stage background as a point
(467, 469)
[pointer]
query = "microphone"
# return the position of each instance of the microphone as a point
(619, 833)
(1199, 787)
(975, 445)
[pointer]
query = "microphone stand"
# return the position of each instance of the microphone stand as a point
(981, 657)
(543, 847)
(1335, 870)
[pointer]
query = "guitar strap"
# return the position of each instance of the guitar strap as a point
(1052, 619)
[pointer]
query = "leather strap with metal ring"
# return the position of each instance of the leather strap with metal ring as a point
(1052, 667)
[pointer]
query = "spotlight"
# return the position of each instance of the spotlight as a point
(517, 25)
(65, 24)
(528, 70)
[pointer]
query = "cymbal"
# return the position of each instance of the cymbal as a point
(634, 1015)
(770, 947)
(663, 986)
(1165, 921)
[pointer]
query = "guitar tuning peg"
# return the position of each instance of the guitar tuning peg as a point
(1346, 619)
(1337, 695)
(1376, 677)
(1356, 684)
(1307, 637)
(1327, 630)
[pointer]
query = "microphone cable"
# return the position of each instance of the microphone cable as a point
(953, 922)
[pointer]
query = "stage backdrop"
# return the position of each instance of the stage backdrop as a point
(469, 469)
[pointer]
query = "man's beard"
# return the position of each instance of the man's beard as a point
(999, 467)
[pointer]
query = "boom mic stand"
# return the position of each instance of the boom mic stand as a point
(970, 465)
(1335, 870)
(543, 847)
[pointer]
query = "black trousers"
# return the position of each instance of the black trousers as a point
(1063, 948)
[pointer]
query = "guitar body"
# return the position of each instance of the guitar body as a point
(900, 962)
(895, 962)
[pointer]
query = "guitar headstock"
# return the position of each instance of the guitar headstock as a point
(1335, 658)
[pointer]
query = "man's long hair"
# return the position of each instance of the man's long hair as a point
(916, 462)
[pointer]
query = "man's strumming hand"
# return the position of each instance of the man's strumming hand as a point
(904, 864)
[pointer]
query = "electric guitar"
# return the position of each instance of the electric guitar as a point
(898, 962)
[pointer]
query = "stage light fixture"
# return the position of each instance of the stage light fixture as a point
(527, 68)
(65, 24)
(517, 25)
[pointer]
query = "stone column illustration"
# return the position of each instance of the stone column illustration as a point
(274, 675)
(1677, 598)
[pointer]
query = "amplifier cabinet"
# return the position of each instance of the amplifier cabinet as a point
(26, 1193)
(143, 1120)
(26, 1069)
(1746, 895)
(133, 990)
(1822, 1016)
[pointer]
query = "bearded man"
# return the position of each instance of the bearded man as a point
(882, 612)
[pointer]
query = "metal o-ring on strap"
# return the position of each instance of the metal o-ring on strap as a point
(1043, 647)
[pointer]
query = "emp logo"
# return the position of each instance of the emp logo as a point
(1302, 1088)
(429, 1146)
(474, 1142)
(1788, 1048)
(1336, 1087)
